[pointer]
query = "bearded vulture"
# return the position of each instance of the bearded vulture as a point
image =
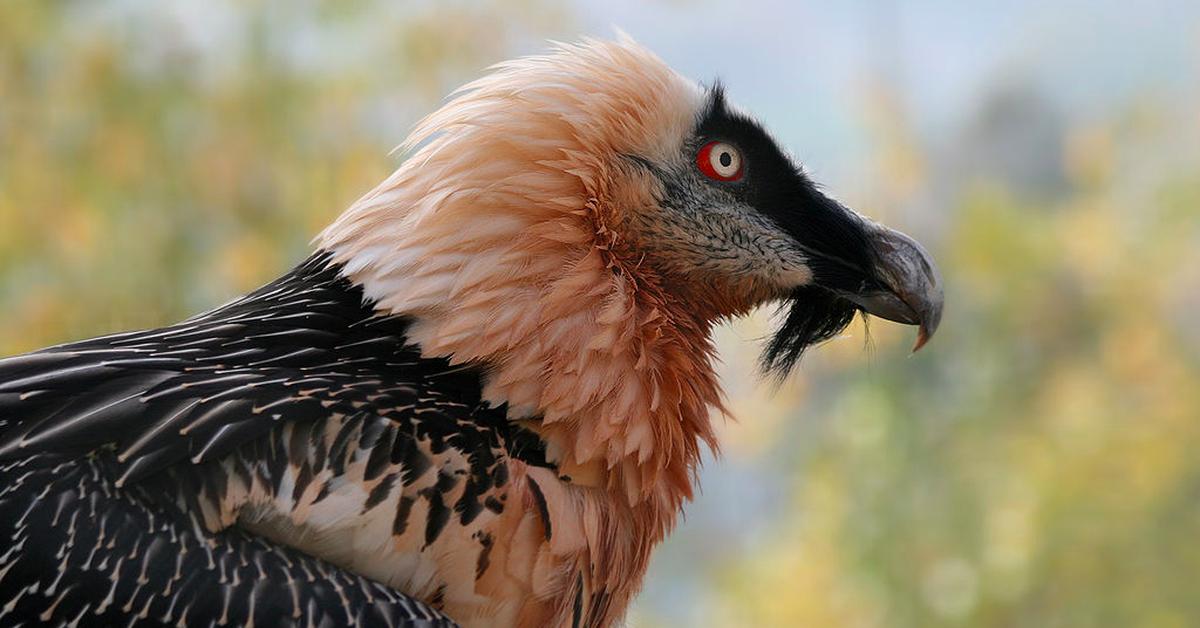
(482, 399)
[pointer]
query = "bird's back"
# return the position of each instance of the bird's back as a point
(294, 412)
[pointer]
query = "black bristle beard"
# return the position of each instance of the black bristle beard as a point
(814, 315)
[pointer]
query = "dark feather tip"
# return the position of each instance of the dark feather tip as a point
(813, 315)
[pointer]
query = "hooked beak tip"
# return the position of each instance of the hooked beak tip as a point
(923, 335)
(912, 291)
(931, 318)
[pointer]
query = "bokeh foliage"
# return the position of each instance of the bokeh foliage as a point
(157, 160)
(1035, 466)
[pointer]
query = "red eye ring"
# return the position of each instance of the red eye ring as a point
(720, 161)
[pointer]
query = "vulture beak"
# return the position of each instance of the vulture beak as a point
(908, 288)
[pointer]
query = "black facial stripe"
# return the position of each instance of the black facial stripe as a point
(775, 186)
(832, 238)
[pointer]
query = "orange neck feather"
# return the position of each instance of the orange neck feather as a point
(503, 237)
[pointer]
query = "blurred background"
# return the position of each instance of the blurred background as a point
(1037, 465)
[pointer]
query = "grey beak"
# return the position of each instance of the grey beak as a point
(912, 293)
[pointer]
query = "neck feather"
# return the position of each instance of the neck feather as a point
(501, 237)
(614, 373)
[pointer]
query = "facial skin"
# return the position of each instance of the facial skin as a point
(748, 222)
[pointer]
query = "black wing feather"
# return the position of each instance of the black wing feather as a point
(88, 428)
(301, 348)
(77, 551)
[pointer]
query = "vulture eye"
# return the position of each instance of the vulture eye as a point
(720, 161)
